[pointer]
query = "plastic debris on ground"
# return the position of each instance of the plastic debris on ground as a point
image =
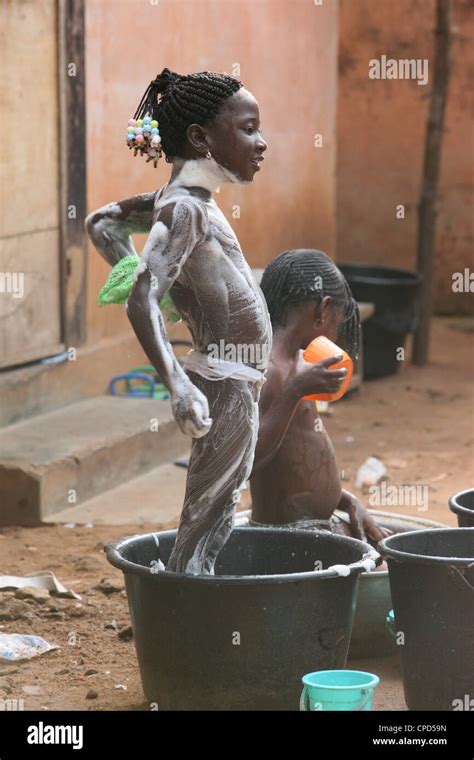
(370, 473)
(42, 579)
(16, 646)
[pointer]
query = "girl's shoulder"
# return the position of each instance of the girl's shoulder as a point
(185, 197)
(177, 204)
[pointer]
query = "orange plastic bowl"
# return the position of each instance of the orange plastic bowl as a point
(322, 348)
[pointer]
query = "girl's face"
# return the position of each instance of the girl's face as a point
(234, 137)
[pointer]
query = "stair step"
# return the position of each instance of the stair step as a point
(155, 497)
(80, 451)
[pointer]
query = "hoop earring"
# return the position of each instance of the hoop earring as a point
(208, 155)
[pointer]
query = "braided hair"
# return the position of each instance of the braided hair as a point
(184, 100)
(308, 275)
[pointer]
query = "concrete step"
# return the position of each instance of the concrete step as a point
(80, 451)
(155, 497)
(46, 386)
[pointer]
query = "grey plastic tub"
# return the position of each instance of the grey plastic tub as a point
(370, 637)
(241, 639)
(462, 505)
(431, 576)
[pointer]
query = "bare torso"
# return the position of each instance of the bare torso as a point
(215, 291)
(302, 480)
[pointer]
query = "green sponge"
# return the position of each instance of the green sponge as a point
(119, 284)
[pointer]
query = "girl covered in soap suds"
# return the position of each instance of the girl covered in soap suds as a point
(209, 129)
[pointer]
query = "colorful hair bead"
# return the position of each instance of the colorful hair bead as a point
(143, 137)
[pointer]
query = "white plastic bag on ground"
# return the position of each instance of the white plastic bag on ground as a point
(17, 646)
(370, 472)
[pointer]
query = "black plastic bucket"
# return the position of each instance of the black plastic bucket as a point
(462, 504)
(431, 575)
(395, 294)
(241, 639)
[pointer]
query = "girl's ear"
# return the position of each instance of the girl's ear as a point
(322, 310)
(197, 138)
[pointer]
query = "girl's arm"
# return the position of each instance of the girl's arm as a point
(110, 227)
(179, 228)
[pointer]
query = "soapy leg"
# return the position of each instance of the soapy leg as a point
(219, 466)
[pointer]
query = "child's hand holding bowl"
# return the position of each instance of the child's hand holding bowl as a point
(322, 350)
(307, 379)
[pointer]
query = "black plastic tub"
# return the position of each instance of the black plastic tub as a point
(462, 504)
(395, 294)
(431, 575)
(241, 639)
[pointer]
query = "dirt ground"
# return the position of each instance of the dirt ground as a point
(420, 423)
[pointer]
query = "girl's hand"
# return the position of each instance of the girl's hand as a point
(306, 379)
(191, 411)
(362, 524)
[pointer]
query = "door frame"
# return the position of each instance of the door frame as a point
(72, 169)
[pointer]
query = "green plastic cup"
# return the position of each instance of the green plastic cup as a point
(338, 690)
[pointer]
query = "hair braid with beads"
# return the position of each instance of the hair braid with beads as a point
(305, 274)
(184, 100)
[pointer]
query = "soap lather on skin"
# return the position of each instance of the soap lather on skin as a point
(193, 253)
(219, 299)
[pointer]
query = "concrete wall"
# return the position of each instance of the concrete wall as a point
(287, 53)
(380, 135)
(29, 190)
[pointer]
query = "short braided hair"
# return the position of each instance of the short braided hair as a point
(305, 274)
(184, 100)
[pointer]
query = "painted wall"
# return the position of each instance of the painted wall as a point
(380, 135)
(29, 189)
(287, 54)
